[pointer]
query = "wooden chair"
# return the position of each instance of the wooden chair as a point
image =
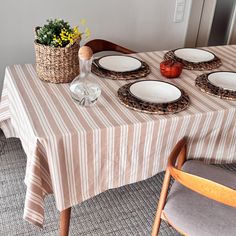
(202, 200)
(99, 45)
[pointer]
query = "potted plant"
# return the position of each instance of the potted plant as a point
(56, 49)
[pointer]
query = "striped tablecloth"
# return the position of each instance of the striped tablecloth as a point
(78, 152)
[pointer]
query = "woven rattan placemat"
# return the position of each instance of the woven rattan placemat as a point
(206, 86)
(127, 99)
(210, 65)
(137, 74)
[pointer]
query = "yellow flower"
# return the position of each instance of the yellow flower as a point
(68, 37)
(75, 29)
(87, 33)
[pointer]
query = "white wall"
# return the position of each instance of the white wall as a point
(142, 25)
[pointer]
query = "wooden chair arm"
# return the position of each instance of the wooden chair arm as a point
(205, 187)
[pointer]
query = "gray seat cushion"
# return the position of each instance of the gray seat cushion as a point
(197, 215)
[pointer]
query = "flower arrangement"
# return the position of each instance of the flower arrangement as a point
(59, 33)
(56, 50)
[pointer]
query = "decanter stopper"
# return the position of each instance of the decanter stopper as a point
(85, 53)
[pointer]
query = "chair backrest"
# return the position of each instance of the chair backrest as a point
(99, 45)
(205, 187)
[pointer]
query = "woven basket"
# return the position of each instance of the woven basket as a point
(57, 65)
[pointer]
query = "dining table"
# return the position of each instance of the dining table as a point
(76, 152)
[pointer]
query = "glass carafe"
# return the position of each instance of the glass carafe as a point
(84, 88)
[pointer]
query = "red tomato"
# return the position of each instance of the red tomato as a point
(171, 69)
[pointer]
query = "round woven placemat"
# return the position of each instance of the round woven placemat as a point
(210, 65)
(136, 104)
(206, 86)
(137, 74)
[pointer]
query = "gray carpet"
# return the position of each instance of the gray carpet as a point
(128, 210)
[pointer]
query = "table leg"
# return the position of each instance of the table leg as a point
(65, 222)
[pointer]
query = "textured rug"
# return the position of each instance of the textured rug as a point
(128, 210)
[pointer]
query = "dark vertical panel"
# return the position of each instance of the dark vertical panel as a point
(221, 21)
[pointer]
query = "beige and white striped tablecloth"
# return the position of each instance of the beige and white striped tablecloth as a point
(78, 152)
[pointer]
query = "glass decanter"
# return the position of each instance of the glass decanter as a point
(84, 88)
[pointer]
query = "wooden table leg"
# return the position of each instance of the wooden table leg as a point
(65, 222)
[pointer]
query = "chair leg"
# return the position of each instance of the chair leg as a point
(65, 222)
(164, 190)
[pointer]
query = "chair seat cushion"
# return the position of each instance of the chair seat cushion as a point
(195, 214)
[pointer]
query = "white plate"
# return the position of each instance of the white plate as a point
(119, 63)
(194, 55)
(155, 91)
(226, 80)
